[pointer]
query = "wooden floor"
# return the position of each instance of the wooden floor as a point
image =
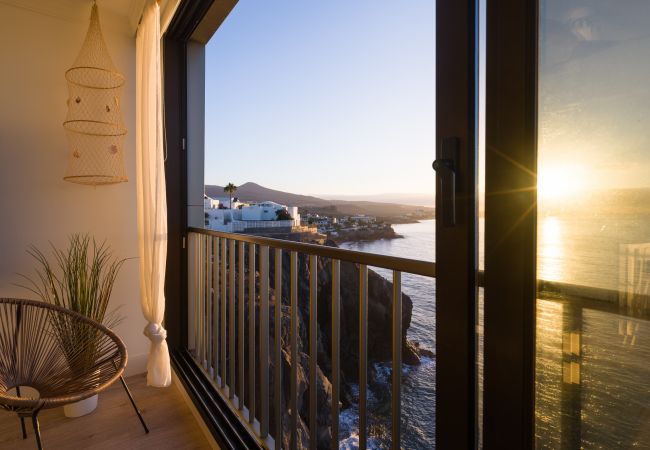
(114, 425)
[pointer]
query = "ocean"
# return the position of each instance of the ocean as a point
(609, 408)
(418, 383)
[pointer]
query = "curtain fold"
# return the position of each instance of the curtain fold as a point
(151, 193)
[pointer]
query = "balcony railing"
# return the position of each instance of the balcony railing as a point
(236, 337)
(225, 270)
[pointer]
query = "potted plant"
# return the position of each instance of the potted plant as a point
(81, 279)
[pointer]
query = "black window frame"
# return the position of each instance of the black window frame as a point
(510, 224)
(225, 427)
(510, 264)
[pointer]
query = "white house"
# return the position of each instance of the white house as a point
(221, 202)
(219, 219)
(210, 203)
(268, 211)
(248, 217)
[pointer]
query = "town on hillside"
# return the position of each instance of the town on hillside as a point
(268, 218)
(265, 212)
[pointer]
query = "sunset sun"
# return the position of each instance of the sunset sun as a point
(559, 181)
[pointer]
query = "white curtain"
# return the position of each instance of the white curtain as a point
(152, 203)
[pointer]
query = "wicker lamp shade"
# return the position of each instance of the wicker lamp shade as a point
(94, 125)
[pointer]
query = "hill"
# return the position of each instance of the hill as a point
(398, 198)
(252, 192)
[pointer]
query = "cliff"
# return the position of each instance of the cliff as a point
(379, 338)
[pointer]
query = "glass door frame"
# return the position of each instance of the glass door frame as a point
(510, 275)
(456, 223)
(510, 224)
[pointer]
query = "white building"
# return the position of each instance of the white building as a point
(219, 219)
(210, 203)
(248, 217)
(363, 218)
(221, 202)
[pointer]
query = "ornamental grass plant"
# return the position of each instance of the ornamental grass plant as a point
(81, 279)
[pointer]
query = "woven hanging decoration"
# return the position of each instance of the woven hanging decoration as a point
(94, 125)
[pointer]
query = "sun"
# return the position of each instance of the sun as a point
(557, 182)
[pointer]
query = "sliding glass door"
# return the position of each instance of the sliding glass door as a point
(593, 239)
(456, 223)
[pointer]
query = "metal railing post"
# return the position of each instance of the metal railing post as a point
(277, 341)
(313, 350)
(231, 323)
(264, 342)
(294, 351)
(336, 349)
(222, 314)
(363, 356)
(251, 334)
(397, 362)
(241, 326)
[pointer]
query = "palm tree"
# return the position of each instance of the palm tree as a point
(230, 189)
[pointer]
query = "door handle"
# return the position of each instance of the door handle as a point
(446, 168)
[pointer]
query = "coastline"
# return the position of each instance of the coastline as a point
(406, 220)
(365, 235)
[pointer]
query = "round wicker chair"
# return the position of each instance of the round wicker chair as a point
(63, 355)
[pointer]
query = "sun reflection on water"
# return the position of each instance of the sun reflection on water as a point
(551, 249)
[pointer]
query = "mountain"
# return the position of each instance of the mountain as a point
(253, 192)
(405, 199)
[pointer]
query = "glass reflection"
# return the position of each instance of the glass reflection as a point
(551, 248)
(593, 317)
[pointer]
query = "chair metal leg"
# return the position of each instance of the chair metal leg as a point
(22, 425)
(37, 429)
(22, 419)
(135, 407)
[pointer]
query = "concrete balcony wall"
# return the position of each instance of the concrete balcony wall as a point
(36, 205)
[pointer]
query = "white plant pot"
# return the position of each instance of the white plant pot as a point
(81, 408)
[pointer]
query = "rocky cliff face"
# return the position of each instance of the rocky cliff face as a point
(379, 338)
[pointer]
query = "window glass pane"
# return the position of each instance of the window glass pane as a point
(322, 116)
(593, 333)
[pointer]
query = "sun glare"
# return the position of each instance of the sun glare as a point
(559, 182)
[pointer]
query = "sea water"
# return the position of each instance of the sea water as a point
(418, 383)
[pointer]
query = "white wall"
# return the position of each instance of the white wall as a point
(36, 205)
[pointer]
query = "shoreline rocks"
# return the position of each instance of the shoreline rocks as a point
(366, 234)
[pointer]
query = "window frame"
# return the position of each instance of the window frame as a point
(510, 263)
(226, 428)
(510, 224)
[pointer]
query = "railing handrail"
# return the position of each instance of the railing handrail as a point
(414, 266)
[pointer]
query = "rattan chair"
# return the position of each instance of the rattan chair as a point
(35, 352)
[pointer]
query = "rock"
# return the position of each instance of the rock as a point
(323, 408)
(379, 338)
(366, 234)
(410, 354)
(423, 352)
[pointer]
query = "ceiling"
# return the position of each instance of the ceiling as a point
(129, 9)
(121, 7)
(121, 15)
(125, 14)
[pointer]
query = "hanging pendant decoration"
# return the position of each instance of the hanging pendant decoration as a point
(94, 125)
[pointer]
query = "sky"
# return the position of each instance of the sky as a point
(594, 99)
(337, 98)
(332, 97)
